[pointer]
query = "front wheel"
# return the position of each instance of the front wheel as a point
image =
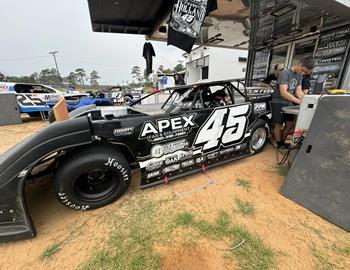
(259, 136)
(92, 178)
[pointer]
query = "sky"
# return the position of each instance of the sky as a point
(29, 30)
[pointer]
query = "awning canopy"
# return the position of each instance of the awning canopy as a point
(128, 16)
(231, 25)
(227, 26)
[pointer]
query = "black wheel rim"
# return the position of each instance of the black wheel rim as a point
(96, 184)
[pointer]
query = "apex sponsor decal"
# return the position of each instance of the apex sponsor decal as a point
(165, 129)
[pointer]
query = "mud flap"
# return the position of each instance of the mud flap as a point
(15, 222)
(319, 179)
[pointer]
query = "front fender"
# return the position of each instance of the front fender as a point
(17, 162)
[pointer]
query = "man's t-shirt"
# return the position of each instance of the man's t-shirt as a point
(293, 80)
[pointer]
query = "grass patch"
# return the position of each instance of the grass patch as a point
(245, 184)
(132, 250)
(184, 219)
(323, 262)
(247, 249)
(50, 251)
(342, 249)
(282, 170)
(167, 200)
(244, 207)
(134, 235)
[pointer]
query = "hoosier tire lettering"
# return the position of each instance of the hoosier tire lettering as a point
(92, 177)
(65, 201)
(113, 163)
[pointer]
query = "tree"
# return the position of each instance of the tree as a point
(2, 77)
(179, 67)
(80, 73)
(49, 76)
(94, 77)
(136, 74)
(71, 79)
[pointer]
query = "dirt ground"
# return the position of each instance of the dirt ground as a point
(300, 239)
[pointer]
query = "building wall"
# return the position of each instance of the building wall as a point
(223, 64)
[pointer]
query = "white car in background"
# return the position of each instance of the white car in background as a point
(41, 91)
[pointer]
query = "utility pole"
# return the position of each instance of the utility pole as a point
(54, 57)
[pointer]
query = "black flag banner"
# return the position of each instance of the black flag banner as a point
(186, 21)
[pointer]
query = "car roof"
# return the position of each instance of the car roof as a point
(14, 83)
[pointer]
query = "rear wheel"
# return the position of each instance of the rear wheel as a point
(92, 178)
(127, 99)
(259, 136)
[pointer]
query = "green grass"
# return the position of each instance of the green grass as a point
(342, 248)
(245, 184)
(132, 241)
(50, 251)
(167, 200)
(140, 225)
(323, 262)
(245, 248)
(244, 207)
(184, 219)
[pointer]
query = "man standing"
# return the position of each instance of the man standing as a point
(288, 91)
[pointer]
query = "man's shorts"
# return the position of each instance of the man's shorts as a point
(278, 117)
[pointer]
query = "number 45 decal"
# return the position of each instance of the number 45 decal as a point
(215, 131)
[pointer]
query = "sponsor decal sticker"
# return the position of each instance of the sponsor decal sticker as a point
(171, 168)
(153, 174)
(261, 106)
(154, 165)
(187, 163)
(200, 159)
(172, 159)
(213, 155)
(227, 151)
(165, 129)
(163, 149)
(123, 131)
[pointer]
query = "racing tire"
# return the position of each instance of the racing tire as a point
(259, 136)
(92, 177)
(127, 99)
(34, 114)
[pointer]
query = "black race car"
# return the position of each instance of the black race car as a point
(91, 155)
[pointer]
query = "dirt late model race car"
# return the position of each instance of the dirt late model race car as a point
(91, 156)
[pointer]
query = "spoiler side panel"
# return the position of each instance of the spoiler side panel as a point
(15, 222)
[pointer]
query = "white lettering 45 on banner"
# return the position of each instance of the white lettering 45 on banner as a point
(214, 130)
